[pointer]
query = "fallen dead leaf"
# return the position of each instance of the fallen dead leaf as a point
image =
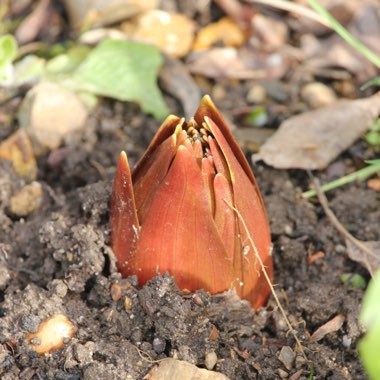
(270, 33)
(225, 30)
(313, 139)
(177, 369)
(31, 25)
(335, 52)
(331, 326)
(369, 257)
(341, 10)
(241, 63)
(18, 149)
(177, 81)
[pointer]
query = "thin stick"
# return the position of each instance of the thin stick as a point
(294, 8)
(339, 226)
(290, 327)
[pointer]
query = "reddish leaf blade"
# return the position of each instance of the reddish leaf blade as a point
(124, 222)
(248, 201)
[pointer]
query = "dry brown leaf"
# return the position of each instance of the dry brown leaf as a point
(335, 52)
(369, 257)
(313, 139)
(270, 33)
(32, 25)
(331, 326)
(18, 149)
(225, 30)
(177, 369)
(342, 10)
(177, 81)
(239, 63)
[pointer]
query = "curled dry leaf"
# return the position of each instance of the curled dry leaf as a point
(368, 256)
(31, 26)
(270, 33)
(331, 326)
(177, 81)
(313, 139)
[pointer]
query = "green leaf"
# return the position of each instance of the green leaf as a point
(123, 70)
(370, 312)
(369, 346)
(8, 50)
(370, 83)
(68, 61)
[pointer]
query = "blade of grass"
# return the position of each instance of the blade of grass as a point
(345, 34)
(359, 175)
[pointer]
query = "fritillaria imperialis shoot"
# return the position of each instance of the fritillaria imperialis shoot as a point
(173, 212)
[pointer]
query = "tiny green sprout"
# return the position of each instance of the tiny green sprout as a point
(353, 280)
(256, 118)
(373, 136)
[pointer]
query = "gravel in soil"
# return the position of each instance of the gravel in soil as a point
(57, 260)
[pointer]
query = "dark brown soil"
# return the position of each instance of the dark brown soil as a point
(57, 260)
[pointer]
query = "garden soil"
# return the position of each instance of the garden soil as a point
(57, 260)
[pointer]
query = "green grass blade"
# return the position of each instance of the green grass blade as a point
(359, 175)
(347, 36)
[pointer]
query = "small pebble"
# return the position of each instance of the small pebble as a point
(115, 292)
(256, 94)
(59, 288)
(210, 360)
(288, 229)
(317, 95)
(287, 357)
(83, 353)
(127, 304)
(51, 334)
(27, 200)
(346, 340)
(159, 345)
(283, 374)
(48, 113)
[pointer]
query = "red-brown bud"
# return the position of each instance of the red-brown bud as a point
(173, 214)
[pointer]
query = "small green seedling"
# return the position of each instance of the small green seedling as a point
(353, 280)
